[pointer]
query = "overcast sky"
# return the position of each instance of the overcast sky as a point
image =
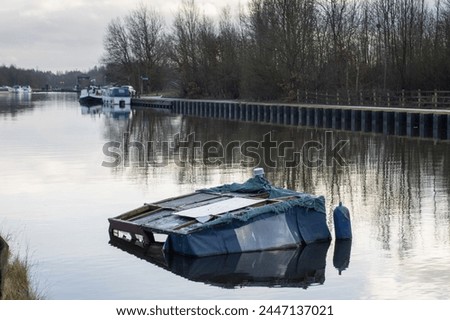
(60, 35)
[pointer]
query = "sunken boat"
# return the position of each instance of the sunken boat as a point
(299, 267)
(231, 218)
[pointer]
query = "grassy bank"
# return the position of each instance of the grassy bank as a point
(15, 280)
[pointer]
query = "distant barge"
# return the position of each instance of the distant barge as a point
(232, 218)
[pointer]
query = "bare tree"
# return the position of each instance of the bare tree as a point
(341, 24)
(229, 56)
(145, 31)
(277, 48)
(135, 47)
(185, 47)
(294, 23)
(117, 47)
(262, 75)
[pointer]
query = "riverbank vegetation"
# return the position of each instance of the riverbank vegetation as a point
(15, 279)
(46, 80)
(269, 49)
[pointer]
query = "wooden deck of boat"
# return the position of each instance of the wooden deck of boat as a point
(179, 214)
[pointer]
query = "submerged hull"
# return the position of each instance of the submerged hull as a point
(252, 216)
(300, 267)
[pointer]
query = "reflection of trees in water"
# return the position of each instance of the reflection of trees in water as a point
(11, 104)
(221, 135)
(394, 182)
(14, 104)
(405, 177)
(139, 128)
(403, 184)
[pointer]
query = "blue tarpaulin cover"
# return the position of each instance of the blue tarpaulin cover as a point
(301, 219)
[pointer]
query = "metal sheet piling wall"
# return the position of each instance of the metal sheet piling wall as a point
(423, 123)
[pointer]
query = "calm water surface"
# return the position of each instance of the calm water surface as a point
(55, 198)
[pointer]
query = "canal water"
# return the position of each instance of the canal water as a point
(65, 169)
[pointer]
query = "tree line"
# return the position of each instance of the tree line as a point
(47, 80)
(271, 48)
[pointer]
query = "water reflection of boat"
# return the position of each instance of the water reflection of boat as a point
(116, 111)
(235, 218)
(96, 109)
(300, 267)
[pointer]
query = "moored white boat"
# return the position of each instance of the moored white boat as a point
(119, 96)
(17, 89)
(21, 89)
(91, 96)
(5, 89)
(27, 89)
